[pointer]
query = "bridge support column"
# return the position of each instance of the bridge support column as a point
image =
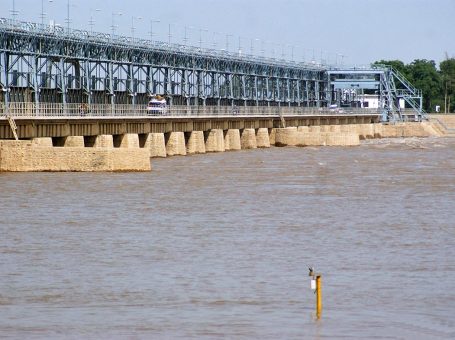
(377, 127)
(156, 144)
(248, 139)
(42, 141)
(104, 141)
(74, 141)
(272, 135)
(232, 140)
(195, 142)
(262, 138)
(214, 140)
(128, 140)
(175, 145)
(286, 136)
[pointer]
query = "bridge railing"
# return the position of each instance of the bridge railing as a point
(31, 109)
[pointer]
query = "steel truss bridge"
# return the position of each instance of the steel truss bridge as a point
(46, 69)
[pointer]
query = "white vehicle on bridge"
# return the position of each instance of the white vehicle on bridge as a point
(157, 106)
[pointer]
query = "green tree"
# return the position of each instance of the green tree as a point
(396, 64)
(447, 68)
(424, 75)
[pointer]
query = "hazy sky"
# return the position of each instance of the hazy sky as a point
(355, 31)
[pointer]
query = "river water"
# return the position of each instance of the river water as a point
(219, 245)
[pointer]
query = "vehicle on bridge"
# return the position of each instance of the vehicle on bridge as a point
(156, 106)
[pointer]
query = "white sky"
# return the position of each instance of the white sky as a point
(362, 31)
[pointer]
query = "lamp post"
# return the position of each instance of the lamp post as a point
(169, 34)
(113, 21)
(151, 27)
(133, 29)
(13, 12)
(92, 22)
(68, 19)
(252, 44)
(227, 42)
(185, 38)
(200, 36)
(43, 14)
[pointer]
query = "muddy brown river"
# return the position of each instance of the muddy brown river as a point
(219, 245)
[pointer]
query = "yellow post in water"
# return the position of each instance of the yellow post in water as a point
(318, 296)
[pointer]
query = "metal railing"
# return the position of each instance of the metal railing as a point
(30, 109)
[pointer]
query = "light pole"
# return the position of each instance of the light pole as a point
(200, 36)
(43, 15)
(13, 12)
(68, 20)
(252, 44)
(113, 21)
(92, 22)
(169, 34)
(227, 42)
(151, 27)
(215, 40)
(132, 25)
(185, 38)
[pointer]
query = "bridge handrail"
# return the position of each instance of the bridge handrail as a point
(30, 109)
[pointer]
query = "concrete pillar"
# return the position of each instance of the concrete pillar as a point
(176, 144)
(377, 127)
(248, 139)
(74, 141)
(156, 144)
(42, 141)
(286, 136)
(262, 138)
(195, 143)
(214, 140)
(232, 140)
(130, 140)
(104, 141)
(272, 136)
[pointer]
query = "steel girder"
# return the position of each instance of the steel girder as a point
(63, 66)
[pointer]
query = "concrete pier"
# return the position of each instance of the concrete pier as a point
(91, 146)
(214, 141)
(104, 141)
(195, 142)
(262, 138)
(74, 141)
(286, 136)
(272, 136)
(232, 140)
(27, 156)
(175, 145)
(127, 140)
(42, 141)
(156, 145)
(248, 139)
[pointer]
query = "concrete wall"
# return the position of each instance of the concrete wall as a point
(25, 156)
(132, 152)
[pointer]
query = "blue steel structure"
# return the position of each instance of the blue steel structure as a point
(42, 64)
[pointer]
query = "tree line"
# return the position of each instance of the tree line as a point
(437, 85)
